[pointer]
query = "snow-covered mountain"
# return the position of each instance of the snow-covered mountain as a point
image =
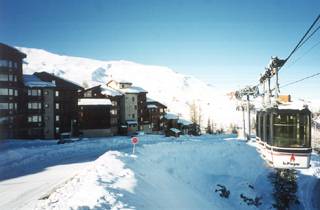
(176, 90)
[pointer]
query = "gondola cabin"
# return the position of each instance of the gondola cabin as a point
(284, 137)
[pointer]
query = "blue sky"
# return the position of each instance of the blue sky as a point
(224, 43)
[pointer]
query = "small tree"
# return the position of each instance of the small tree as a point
(209, 127)
(193, 113)
(199, 116)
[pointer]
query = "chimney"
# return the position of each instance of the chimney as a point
(284, 98)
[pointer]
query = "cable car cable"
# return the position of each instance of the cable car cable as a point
(294, 82)
(302, 39)
(309, 36)
(304, 54)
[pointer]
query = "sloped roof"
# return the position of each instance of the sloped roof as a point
(184, 122)
(299, 105)
(152, 106)
(119, 81)
(4, 49)
(171, 116)
(175, 130)
(94, 101)
(59, 80)
(110, 91)
(32, 81)
(133, 89)
(150, 100)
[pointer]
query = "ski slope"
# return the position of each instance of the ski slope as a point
(164, 173)
(176, 90)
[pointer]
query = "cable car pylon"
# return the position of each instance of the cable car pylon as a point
(245, 105)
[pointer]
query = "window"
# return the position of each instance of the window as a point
(3, 77)
(114, 111)
(88, 94)
(135, 107)
(13, 106)
(34, 92)
(291, 130)
(133, 116)
(4, 91)
(57, 129)
(57, 106)
(267, 131)
(8, 92)
(12, 78)
(10, 64)
(114, 103)
(114, 121)
(132, 99)
(57, 93)
(3, 63)
(261, 127)
(15, 65)
(35, 118)
(34, 105)
(4, 105)
(57, 118)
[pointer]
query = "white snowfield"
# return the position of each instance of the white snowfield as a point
(164, 173)
(175, 90)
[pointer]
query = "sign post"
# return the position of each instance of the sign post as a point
(134, 141)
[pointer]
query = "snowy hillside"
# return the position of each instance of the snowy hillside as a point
(175, 90)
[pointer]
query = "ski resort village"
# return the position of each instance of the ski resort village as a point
(151, 105)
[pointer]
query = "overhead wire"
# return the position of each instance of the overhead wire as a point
(302, 42)
(300, 80)
(309, 36)
(304, 54)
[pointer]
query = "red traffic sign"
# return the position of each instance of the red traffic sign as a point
(134, 140)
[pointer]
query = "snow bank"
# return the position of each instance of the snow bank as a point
(19, 157)
(98, 187)
(170, 175)
(174, 173)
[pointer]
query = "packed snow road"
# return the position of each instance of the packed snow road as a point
(164, 173)
(30, 170)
